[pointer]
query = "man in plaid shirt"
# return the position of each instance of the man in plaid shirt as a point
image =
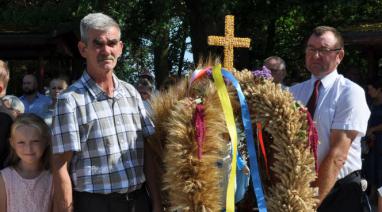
(99, 128)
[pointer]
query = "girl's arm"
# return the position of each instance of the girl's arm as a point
(3, 195)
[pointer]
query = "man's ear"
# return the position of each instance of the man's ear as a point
(82, 48)
(120, 48)
(1, 89)
(341, 54)
(122, 44)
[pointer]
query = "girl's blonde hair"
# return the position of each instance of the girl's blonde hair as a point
(32, 120)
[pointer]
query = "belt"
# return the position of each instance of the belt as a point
(130, 195)
(350, 178)
(125, 196)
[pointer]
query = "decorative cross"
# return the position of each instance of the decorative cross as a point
(229, 42)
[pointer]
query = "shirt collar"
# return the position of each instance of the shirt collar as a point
(96, 91)
(326, 81)
(38, 95)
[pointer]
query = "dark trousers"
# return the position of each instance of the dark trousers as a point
(136, 201)
(346, 195)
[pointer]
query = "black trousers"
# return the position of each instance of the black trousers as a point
(136, 201)
(346, 196)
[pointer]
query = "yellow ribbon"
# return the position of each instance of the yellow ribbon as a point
(231, 126)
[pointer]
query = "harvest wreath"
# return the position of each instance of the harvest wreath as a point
(191, 177)
(196, 132)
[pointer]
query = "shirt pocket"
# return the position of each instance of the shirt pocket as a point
(325, 117)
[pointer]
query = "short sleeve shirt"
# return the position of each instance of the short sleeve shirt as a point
(106, 135)
(341, 105)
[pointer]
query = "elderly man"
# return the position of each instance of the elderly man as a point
(99, 131)
(339, 108)
(277, 67)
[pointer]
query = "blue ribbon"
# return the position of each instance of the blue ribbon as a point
(256, 180)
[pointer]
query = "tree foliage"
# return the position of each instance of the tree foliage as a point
(155, 32)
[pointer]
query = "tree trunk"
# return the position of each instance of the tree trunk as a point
(271, 38)
(203, 18)
(161, 65)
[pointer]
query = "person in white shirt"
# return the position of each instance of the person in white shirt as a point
(341, 114)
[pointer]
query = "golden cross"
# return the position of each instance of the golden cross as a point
(229, 42)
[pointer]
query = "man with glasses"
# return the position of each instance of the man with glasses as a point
(338, 107)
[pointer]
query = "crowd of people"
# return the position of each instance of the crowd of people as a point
(83, 148)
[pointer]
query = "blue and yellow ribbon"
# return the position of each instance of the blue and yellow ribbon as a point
(246, 118)
(231, 126)
(217, 74)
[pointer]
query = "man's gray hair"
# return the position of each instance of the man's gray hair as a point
(98, 21)
(14, 103)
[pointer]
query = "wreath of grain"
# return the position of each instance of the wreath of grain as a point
(189, 183)
(185, 178)
(292, 169)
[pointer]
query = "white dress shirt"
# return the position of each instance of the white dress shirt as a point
(341, 105)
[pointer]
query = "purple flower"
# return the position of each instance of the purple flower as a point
(262, 73)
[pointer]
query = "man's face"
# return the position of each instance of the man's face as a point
(322, 54)
(29, 85)
(275, 68)
(101, 50)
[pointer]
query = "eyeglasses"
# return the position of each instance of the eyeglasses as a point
(320, 51)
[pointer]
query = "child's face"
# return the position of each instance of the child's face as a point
(28, 145)
(56, 87)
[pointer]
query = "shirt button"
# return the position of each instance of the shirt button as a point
(109, 143)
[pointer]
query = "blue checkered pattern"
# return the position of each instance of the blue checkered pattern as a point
(106, 135)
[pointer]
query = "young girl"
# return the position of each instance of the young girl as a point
(26, 183)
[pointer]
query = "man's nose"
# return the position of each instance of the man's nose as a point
(106, 49)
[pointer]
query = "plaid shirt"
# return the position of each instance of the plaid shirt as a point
(105, 135)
